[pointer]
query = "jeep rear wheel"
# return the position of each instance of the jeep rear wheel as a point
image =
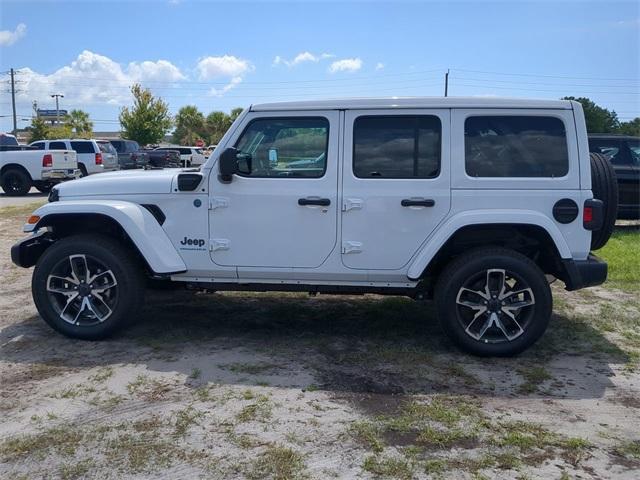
(493, 302)
(87, 286)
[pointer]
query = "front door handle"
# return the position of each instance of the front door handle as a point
(418, 202)
(322, 202)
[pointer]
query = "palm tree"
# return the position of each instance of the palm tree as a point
(79, 122)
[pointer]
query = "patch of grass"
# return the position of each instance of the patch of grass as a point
(21, 210)
(533, 378)
(367, 433)
(185, 419)
(279, 463)
(151, 390)
(629, 449)
(195, 373)
(75, 391)
(399, 468)
(71, 471)
(259, 411)
(445, 438)
(102, 375)
(622, 253)
(63, 440)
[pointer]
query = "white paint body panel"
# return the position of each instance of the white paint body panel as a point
(255, 232)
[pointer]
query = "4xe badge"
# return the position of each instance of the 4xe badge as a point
(192, 244)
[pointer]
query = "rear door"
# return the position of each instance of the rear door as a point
(395, 185)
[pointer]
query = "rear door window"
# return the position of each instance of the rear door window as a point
(515, 146)
(82, 147)
(57, 146)
(612, 148)
(38, 145)
(403, 146)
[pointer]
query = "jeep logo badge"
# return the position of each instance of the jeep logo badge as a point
(195, 242)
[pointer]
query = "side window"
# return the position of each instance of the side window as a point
(38, 145)
(634, 151)
(397, 146)
(82, 147)
(515, 146)
(611, 148)
(118, 145)
(286, 147)
(57, 146)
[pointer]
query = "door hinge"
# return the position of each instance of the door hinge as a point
(351, 247)
(218, 244)
(218, 202)
(352, 204)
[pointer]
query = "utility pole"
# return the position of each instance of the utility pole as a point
(446, 83)
(57, 96)
(13, 102)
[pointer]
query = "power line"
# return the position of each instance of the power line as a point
(546, 76)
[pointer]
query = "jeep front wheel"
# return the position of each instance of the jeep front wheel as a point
(493, 302)
(87, 286)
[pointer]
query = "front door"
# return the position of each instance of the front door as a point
(395, 185)
(283, 212)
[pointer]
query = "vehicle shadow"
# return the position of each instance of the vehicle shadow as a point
(345, 345)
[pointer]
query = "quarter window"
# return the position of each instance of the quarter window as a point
(515, 146)
(286, 147)
(82, 147)
(57, 146)
(397, 146)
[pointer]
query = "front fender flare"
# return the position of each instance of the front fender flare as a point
(480, 217)
(138, 223)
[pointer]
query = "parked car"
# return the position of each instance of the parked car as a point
(624, 153)
(109, 154)
(163, 158)
(209, 150)
(189, 156)
(129, 154)
(21, 169)
(473, 202)
(90, 157)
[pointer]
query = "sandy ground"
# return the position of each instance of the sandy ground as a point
(291, 386)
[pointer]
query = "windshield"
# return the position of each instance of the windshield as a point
(106, 147)
(634, 147)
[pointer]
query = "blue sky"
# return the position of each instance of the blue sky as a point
(222, 55)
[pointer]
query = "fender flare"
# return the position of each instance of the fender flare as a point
(139, 224)
(479, 217)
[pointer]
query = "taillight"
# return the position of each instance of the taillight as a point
(47, 160)
(98, 159)
(593, 214)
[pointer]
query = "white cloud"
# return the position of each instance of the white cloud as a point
(220, 67)
(7, 37)
(302, 57)
(94, 78)
(379, 66)
(160, 70)
(346, 65)
(218, 92)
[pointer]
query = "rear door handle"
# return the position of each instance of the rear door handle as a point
(322, 202)
(418, 202)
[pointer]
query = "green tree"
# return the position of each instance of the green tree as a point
(632, 127)
(37, 130)
(190, 125)
(599, 119)
(58, 131)
(80, 124)
(148, 120)
(217, 124)
(235, 113)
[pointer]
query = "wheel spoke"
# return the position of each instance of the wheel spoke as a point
(495, 283)
(61, 285)
(103, 281)
(478, 314)
(70, 301)
(518, 299)
(481, 301)
(98, 307)
(500, 324)
(79, 268)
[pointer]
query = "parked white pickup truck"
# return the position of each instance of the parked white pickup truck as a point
(22, 167)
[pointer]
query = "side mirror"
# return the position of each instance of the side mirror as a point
(228, 163)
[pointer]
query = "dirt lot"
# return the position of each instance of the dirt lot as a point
(291, 386)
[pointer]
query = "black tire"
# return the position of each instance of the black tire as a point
(123, 299)
(604, 186)
(16, 182)
(43, 187)
(83, 170)
(456, 319)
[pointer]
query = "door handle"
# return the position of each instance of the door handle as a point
(418, 202)
(322, 202)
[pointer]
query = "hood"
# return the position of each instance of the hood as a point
(129, 182)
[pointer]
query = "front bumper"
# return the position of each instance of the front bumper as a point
(26, 252)
(584, 273)
(63, 174)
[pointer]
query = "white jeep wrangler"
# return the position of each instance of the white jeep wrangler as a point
(477, 203)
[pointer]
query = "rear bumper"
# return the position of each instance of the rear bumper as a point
(584, 273)
(62, 174)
